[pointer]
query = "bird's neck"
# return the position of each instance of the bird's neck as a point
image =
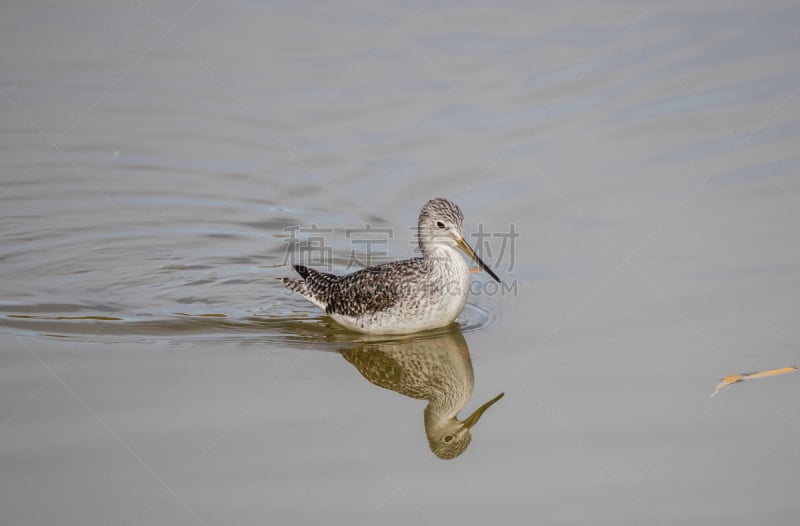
(437, 417)
(442, 254)
(447, 403)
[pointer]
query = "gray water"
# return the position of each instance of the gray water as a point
(155, 157)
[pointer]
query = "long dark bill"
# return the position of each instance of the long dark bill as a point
(463, 245)
(472, 419)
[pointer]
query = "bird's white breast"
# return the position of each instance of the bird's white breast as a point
(437, 301)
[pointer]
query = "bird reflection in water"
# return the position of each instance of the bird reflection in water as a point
(437, 369)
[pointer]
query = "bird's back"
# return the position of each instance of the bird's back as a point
(367, 291)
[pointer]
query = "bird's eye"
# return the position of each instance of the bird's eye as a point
(448, 438)
(440, 224)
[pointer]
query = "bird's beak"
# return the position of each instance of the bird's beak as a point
(472, 419)
(463, 245)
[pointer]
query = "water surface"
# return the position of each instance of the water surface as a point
(156, 157)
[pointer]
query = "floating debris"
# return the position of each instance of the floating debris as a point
(736, 378)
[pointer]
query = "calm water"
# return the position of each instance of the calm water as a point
(155, 157)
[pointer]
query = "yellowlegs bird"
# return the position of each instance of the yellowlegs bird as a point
(402, 296)
(438, 370)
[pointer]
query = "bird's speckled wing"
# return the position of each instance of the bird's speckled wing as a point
(380, 368)
(373, 289)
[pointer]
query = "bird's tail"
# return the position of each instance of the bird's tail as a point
(296, 285)
(313, 286)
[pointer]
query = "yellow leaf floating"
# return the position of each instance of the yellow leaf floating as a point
(735, 378)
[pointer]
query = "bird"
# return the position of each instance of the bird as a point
(401, 297)
(436, 369)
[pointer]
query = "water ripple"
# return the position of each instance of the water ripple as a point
(298, 329)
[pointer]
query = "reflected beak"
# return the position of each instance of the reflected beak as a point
(463, 245)
(472, 419)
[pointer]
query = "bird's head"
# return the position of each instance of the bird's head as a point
(449, 437)
(441, 224)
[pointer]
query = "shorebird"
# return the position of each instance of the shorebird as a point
(402, 296)
(438, 370)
